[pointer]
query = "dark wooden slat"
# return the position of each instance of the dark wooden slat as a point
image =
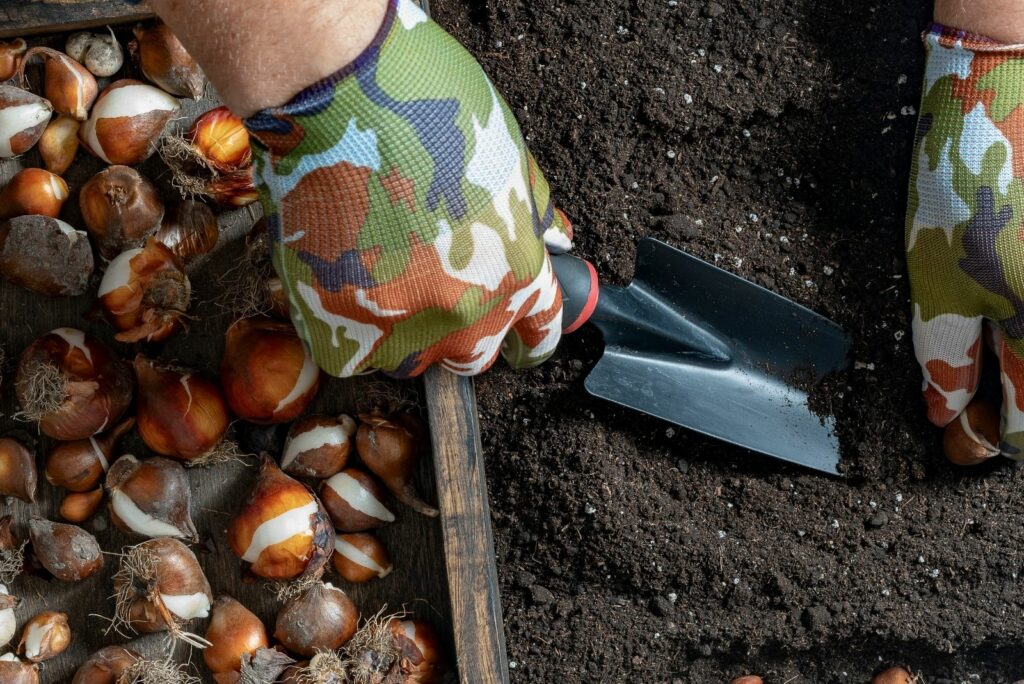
(466, 523)
(21, 18)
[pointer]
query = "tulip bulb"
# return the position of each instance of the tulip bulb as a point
(8, 623)
(14, 671)
(145, 293)
(318, 446)
(45, 255)
(17, 470)
(389, 649)
(72, 384)
(747, 679)
(59, 144)
(68, 85)
(33, 191)
(181, 414)
(895, 675)
(151, 498)
(356, 501)
(164, 61)
(973, 437)
(11, 53)
(100, 53)
(23, 118)
(45, 636)
(189, 229)
(266, 372)
(12, 552)
(390, 448)
(222, 141)
(69, 553)
(233, 633)
(126, 122)
(106, 666)
(77, 507)
(282, 530)
(161, 586)
(121, 208)
(360, 557)
(322, 618)
(79, 466)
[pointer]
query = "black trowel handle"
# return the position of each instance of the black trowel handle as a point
(580, 291)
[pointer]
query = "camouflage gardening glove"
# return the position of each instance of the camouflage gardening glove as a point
(965, 225)
(408, 217)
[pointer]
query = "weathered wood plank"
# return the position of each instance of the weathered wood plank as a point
(21, 18)
(466, 521)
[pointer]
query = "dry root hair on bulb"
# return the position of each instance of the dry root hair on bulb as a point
(12, 552)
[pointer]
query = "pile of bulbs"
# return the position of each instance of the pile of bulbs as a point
(309, 511)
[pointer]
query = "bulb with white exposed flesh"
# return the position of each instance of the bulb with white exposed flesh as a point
(151, 497)
(15, 671)
(318, 446)
(45, 636)
(281, 530)
(8, 623)
(356, 501)
(360, 558)
(161, 586)
(126, 122)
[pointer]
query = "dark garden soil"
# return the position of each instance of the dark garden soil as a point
(771, 136)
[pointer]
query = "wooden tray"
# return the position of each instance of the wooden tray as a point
(444, 568)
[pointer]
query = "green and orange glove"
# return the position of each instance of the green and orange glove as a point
(410, 222)
(965, 226)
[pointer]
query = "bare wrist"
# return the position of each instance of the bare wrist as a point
(1001, 20)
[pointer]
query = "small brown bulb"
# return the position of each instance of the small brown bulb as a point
(69, 553)
(106, 666)
(356, 501)
(165, 62)
(894, 675)
(11, 52)
(14, 671)
(23, 118)
(234, 632)
(78, 466)
(360, 558)
(151, 497)
(121, 208)
(189, 229)
(17, 470)
(68, 85)
(77, 507)
(390, 447)
(420, 660)
(973, 437)
(45, 636)
(747, 679)
(59, 144)
(318, 446)
(322, 618)
(33, 191)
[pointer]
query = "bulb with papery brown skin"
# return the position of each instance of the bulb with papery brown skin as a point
(281, 529)
(160, 586)
(266, 373)
(23, 118)
(59, 144)
(68, 552)
(127, 121)
(12, 552)
(420, 660)
(360, 557)
(390, 447)
(747, 679)
(356, 501)
(72, 384)
(145, 293)
(151, 498)
(318, 446)
(894, 675)
(189, 229)
(18, 476)
(68, 85)
(322, 618)
(120, 208)
(180, 414)
(106, 666)
(8, 621)
(15, 671)
(11, 54)
(164, 60)
(77, 507)
(234, 189)
(45, 255)
(45, 636)
(78, 466)
(221, 139)
(33, 191)
(973, 436)
(234, 631)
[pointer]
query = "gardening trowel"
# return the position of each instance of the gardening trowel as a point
(705, 349)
